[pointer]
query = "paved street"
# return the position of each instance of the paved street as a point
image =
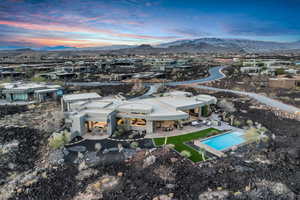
(262, 99)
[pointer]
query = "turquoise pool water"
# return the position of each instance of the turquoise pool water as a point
(225, 141)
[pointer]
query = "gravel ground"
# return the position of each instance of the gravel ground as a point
(11, 109)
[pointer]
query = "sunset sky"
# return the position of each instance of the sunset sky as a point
(88, 23)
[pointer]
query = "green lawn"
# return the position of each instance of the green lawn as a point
(178, 142)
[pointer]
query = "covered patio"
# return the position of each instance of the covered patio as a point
(187, 129)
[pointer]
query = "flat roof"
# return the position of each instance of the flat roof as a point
(180, 101)
(155, 108)
(45, 90)
(160, 110)
(97, 104)
(136, 107)
(27, 85)
(23, 87)
(81, 96)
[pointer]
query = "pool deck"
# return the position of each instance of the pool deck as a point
(189, 129)
(176, 132)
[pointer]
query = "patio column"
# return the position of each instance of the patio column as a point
(78, 126)
(199, 112)
(149, 127)
(110, 125)
(62, 105)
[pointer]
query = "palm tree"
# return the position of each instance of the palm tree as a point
(254, 134)
(185, 153)
(202, 152)
(251, 134)
(166, 139)
(165, 143)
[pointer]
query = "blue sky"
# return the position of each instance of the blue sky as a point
(86, 23)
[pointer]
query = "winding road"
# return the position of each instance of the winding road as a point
(215, 73)
(261, 98)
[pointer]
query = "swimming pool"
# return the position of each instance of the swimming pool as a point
(225, 141)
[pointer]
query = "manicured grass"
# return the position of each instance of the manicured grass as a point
(178, 142)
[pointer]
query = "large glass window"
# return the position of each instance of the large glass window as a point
(59, 92)
(137, 122)
(20, 97)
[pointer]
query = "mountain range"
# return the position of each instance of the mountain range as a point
(202, 45)
(233, 45)
(214, 45)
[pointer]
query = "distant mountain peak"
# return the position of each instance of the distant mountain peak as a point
(145, 46)
(24, 49)
(57, 48)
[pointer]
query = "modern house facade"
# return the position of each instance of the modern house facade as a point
(148, 115)
(27, 92)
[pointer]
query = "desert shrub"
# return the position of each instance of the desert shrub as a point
(58, 140)
(249, 122)
(285, 98)
(120, 147)
(116, 134)
(237, 123)
(98, 146)
(226, 106)
(133, 135)
(279, 71)
(263, 130)
(255, 134)
(134, 145)
(251, 134)
(122, 129)
(185, 153)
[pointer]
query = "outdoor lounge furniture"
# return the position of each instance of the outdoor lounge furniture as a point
(167, 129)
(195, 123)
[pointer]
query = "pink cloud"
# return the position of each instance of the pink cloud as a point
(38, 41)
(79, 28)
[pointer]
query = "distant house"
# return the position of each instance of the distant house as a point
(284, 82)
(39, 92)
(251, 70)
(61, 75)
(9, 72)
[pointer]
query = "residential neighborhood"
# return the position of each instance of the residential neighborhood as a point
(149, 100)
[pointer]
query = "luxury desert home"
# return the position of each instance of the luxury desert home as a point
(29, 92)
(87, 113)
